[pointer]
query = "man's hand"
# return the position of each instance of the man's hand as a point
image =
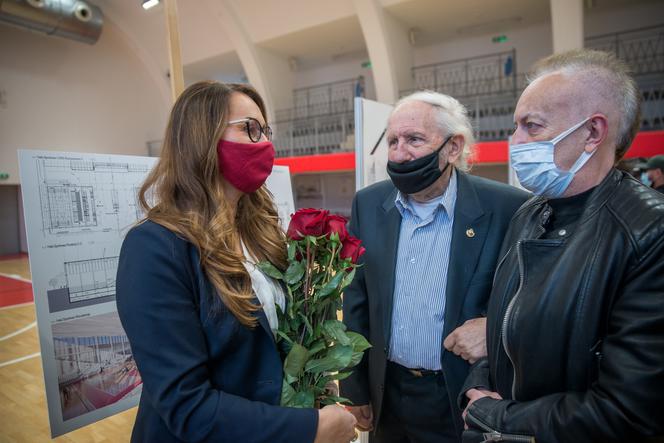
(476, 394)
(364, 416)
(335, 425)
(468, 340)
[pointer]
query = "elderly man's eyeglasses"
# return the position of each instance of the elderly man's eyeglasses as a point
(253, 128)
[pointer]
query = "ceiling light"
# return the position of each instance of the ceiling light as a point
(147, 4)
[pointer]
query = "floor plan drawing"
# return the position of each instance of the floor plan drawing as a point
(88, 195)
(78, 209)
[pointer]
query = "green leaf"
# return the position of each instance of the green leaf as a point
(290, 379)
(285, 337)
(359, 343)
(307, 324)
(287, 394)
(335, 329)
(355, 359)
(338, 357)
(339, 375)
(294, 273)
(269, 269)
(348, 279)
(303, 399)
(292, 248)
(321, 365)
(330, 286)
(317, 346)
(297, 358)
(342, 354)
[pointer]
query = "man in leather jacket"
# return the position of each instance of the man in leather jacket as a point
(575, 329)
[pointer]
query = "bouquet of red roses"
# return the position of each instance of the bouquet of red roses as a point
(322, 258)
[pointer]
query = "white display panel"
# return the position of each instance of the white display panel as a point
(370, 144)
(78, 208)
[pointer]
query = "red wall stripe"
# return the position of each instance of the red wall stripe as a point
(646, 144)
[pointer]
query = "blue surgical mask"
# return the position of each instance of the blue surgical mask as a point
(645, 179)
(536, 170)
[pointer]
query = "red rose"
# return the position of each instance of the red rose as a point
(336, 223)
(307, 222)
(352, 248)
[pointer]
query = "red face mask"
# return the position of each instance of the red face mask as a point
(245, 165)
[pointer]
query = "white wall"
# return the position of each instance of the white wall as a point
(598, 21)
(68, 96)
(531, 43)
(534, 42)
(341, 70)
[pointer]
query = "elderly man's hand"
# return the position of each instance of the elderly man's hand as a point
(364, 416)
(476, 394)
(468, 340)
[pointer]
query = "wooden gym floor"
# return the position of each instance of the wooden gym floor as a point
(23, 414)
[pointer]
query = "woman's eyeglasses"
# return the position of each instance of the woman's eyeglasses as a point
(254, 129)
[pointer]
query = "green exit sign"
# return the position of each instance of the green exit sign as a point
(499, 39)
(4, 176)
(366, 64)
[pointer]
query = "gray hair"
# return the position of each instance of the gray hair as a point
(452, 119)
(610, 76)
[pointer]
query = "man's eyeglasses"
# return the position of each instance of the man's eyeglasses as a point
(253, 128)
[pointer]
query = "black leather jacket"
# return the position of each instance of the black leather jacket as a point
(575, 331)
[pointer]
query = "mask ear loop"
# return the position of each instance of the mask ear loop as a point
(564, 134)
(584, 157)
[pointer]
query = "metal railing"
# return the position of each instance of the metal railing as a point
(492, 117)
(322, 120)
(492, 74)
(322, 134)
(642, 49)
(652, 105)
(325, 99)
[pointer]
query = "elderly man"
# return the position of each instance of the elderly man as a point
(432, 236)
(655, 172)
(576, 315)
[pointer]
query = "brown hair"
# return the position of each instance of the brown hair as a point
(186, 185)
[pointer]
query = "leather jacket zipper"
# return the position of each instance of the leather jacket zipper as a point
(508, 311)
(495, 273)
(493, 435)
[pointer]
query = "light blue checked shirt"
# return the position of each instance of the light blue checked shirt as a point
(423, 257)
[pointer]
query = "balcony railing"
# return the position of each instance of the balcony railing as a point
(642, 49)
(322, 134)
(652, 106)
(325, 99)
(322, 120)
(493, 74)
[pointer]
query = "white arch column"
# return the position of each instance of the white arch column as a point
(268, 72)
(566, 24)
(389, 49)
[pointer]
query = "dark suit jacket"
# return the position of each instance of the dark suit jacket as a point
(206, 377)
(483, 205)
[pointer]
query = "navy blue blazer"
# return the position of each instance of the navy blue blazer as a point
(206, 377)
(486, 207)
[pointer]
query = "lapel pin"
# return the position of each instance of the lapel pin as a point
(470, 233)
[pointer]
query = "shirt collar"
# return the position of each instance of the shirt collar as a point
(447, 200)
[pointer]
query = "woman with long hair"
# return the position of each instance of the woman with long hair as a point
(199, 315)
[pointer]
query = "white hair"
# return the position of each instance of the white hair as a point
(608, 78)
(452, 119)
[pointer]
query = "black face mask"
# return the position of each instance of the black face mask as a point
(416, 175)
